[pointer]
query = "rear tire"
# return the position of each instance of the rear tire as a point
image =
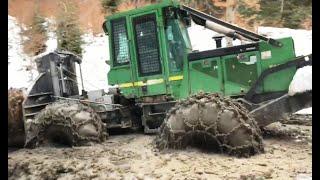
(67, 123)
(211, 122)
(16, 135)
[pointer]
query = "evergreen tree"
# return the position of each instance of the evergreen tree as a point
(286, 13)
(37, 36)
(108, 6)
(206, 6)
(68, 31)
(295, 12)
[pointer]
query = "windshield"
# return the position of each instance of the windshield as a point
(178, 41)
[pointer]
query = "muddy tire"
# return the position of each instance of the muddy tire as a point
(67, 123)
(211, 122)
(16, 136)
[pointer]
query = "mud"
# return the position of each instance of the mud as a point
(133, 156)
(65, 122)
(288, 131)
(299, 119)
(220, 124)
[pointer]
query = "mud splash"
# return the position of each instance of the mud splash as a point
(288, 131)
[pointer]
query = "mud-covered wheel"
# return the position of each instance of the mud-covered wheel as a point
(66, 123)
(16, 134)
(211, 122)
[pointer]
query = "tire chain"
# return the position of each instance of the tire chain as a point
(169, 138)
(62, 113)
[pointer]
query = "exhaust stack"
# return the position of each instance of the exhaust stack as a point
(223, 30)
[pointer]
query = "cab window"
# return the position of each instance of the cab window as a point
(176, 46)
(120, 42)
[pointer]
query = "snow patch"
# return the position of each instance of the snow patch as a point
(93, 66)
(302, 38)
(21, 71)
(305, 111)
(22, 68)
(302, 81)
(201, 38)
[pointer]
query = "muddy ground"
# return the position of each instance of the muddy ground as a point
(133, 156)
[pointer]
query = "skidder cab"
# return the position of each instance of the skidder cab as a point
(152, 60)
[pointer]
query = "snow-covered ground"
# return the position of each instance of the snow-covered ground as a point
(302, 38)
(95, 52)
(94, 69)
(19, 65)
(201, 38)
(302, 81)
(305, 111)
(22, 69)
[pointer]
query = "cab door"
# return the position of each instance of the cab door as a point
(148, 58)
(121, 71)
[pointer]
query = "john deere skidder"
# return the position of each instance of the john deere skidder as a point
(218, 98)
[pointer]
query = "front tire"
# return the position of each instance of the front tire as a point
(212, 122)
(68, 123)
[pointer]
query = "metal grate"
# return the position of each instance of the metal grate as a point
(120, 41)
(147, 45)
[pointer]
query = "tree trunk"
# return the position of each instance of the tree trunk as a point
(231, 9)
(282, 4)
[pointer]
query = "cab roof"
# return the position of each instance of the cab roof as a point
(147, 8)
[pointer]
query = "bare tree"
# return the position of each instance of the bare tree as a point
(231, 9)
(282, 4)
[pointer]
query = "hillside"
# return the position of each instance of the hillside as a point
(89, 13)
(247, 13)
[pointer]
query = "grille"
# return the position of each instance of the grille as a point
(147, 45)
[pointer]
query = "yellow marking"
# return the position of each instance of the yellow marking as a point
(155, 81)
(139, 83)
(125, 85)
(175, 78)
(149, 82)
